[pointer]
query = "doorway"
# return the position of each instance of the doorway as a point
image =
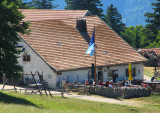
(115, 75)
(100, 74)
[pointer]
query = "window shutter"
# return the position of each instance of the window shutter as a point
(127, 73)
(24, 58)
(134, 72)
(28, 57)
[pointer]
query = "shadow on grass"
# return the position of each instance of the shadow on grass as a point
(14, 100)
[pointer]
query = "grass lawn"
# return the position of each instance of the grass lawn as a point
(11, 102)
(150, 104)
(149, 72)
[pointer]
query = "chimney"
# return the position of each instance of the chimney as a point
(81, 25)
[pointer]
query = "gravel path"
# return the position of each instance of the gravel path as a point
(103, 99)
(147, 78)
(97, 98)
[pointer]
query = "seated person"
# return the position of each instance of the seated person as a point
(123, 82)
(144, 85)
(100, 83)
(126, 83)
(74, 82)
(153, 77)
(90, 82)
(110, 84)
(86, 82)
(66, 83)
(106, 84)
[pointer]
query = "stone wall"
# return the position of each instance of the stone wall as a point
(120, 92)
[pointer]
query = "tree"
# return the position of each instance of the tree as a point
(135, 36)
(153, 20)
(24, 5)
(114, 19)
(10, 25)
(156, 43)
(92, 5)
(42, 4)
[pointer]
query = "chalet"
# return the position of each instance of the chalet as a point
(58, 43)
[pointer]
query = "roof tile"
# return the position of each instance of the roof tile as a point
(64, 48)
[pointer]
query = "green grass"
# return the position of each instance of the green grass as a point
(150, 104)
(11, 102)
(153, 99)
(149, 72)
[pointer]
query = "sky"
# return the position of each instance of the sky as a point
(132, 11)
(106, 3)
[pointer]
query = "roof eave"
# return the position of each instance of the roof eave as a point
(111, 65)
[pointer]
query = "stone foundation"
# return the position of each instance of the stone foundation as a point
(129, 92)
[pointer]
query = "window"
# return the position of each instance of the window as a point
(133, 72)
(26, 58)
(110, 75)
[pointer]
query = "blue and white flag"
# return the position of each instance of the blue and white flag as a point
(92, 39)
(91, 50)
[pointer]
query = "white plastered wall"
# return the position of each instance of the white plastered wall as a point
(81, 75)
(78, 75)
(37, 64)
(122, 72)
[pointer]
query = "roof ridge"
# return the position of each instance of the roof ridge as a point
(52, 10)
(64, 18)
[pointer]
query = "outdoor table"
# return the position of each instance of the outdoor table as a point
(152, 84)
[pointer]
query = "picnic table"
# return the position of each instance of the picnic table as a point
(152, 84)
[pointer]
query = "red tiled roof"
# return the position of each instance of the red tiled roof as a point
(64, 48)
(42, 14)
(156, 50)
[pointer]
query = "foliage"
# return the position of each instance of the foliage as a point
(23, 5)
(42, 4)
(153, 19)
(10, 25)
(135, 36)
(114, 19)
(153, 26)
(92, 5)
(145, 37)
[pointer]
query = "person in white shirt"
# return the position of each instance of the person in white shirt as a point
(63, 82)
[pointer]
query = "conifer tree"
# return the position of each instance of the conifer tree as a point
(153, 20)
(114, 19)
(42, 4)
(92, 5)
(10, 25)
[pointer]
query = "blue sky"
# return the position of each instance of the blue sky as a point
(106, 3)
(132, 11)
